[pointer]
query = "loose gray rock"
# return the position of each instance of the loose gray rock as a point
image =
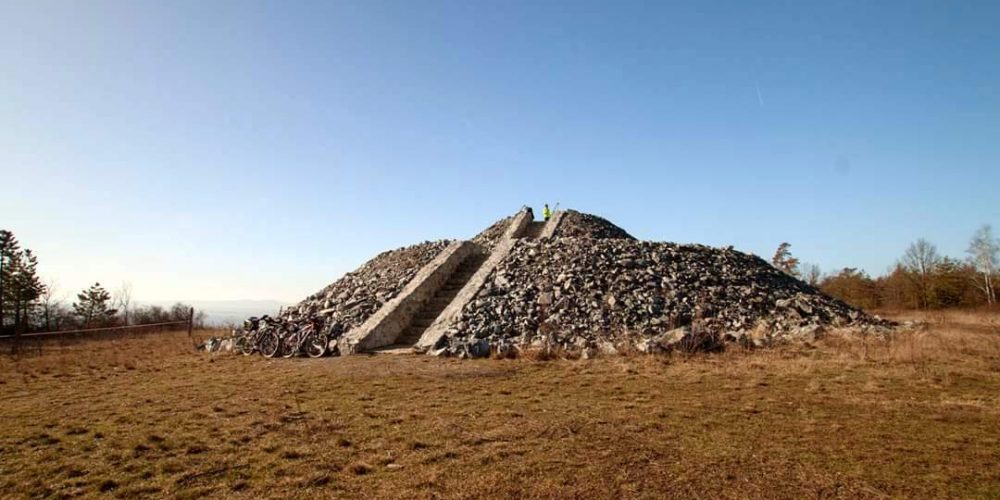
(349, 301)
(594, 289)
(489, 238)
(580, 225)
(603, 293)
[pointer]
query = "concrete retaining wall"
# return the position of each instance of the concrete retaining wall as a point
(552, 225)
(451, 314)
(384, 327)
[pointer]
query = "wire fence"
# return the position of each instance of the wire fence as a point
(37, 338)
(96, 330)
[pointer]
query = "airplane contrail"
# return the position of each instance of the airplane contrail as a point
(759, 98)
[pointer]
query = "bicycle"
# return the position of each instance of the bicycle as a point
(306, 338)
(259, 335)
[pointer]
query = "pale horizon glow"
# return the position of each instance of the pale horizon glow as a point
(252, 150)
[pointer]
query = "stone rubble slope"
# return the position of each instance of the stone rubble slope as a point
(489, 238)
(591, 293)
(349, 301)
(580, 225)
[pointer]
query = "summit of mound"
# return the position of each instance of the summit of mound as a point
(581, 225)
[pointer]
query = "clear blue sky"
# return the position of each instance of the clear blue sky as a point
(214, 150)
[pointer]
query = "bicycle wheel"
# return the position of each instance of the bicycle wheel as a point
(316, 345)
(289, 345)
(243, 345)
(270, 343)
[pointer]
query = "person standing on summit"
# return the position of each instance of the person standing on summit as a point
(546, 213)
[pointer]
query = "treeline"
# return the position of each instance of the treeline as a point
(921, 279)
(28, 305)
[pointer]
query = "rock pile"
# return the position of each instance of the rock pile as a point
(580, 225)
(593, 287)
(616, 293)
(489, 238)
(349, 301)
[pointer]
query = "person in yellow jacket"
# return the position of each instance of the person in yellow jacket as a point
(546, 213)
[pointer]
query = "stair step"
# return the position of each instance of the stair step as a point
(444, 296)
(410, 336)
(534, 230)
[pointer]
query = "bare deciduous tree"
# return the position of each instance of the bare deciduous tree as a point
(919, 261)
(983, 250)
(811, 274)
(49, 302)
(123, 300)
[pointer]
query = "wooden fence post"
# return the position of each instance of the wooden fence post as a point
(191, 324)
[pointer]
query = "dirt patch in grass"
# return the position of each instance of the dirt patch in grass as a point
(913, 417)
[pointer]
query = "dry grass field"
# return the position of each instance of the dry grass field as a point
(915, 417)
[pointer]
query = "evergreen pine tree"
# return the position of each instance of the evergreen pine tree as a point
(784, 261)
(23, 287)
(92, 305)
(9, 247)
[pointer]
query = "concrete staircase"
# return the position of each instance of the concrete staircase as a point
(412, 322)
(534, 230)
(432, 309)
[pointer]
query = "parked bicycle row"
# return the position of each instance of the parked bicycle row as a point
(273, 337)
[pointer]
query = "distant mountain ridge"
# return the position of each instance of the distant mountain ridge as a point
(223, 312)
